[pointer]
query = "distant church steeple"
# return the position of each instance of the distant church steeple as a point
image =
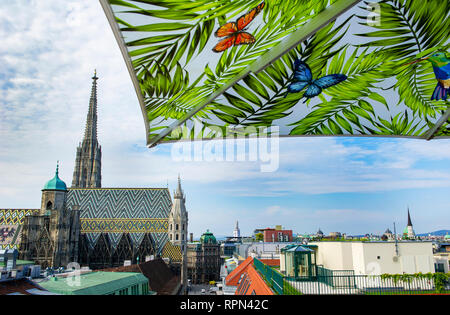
(237, 231)
(409, 231)
(87, 172)
(409, 219)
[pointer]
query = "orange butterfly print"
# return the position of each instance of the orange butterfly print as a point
(235, 31)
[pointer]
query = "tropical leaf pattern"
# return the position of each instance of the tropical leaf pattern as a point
(169, 45)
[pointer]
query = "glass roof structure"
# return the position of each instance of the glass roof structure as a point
(205, 69)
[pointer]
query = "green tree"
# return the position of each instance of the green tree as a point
(259, 237)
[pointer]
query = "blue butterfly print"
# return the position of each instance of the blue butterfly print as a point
(303, 78)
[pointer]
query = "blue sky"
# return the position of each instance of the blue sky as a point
(352, 185)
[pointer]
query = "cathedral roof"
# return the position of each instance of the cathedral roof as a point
(115, 211)
(11, 221)
(55, 183)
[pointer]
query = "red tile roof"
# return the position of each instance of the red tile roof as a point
(257, 285)
(247, 280)
(233, 278)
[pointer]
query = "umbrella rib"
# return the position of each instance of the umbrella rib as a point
(430, 134)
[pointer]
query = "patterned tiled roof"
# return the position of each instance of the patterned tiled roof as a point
(11, 221)
(117, 210)
(172, 251)
(14, 216)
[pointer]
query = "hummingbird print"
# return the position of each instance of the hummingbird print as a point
(441, 68)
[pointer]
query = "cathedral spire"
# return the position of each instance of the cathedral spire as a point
(91, 120)
(87, 172)
(179, 192)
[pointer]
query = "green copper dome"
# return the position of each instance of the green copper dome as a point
(208, 238)
(55, 183)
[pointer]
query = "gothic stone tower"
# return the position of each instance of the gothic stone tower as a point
(87, 172)
(178, 228)
(50, 236)
(178, 218)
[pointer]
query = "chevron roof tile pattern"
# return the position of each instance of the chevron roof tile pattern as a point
(11, 221)
(14, 216)
(171, 251)
(117, 210)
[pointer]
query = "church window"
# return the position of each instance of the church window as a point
(176, 237)
(170, 236)
(182, 237)
(49, 205)
(177, 227)
(183, 227)
(47, 224)
(171, 227)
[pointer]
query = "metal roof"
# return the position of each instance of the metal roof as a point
(95, 283)
(55, 183)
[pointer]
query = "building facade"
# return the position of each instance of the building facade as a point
(376, 258)
(203, 259)
(50, 235)
(277, 235)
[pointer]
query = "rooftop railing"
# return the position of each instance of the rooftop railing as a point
(330, 282)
